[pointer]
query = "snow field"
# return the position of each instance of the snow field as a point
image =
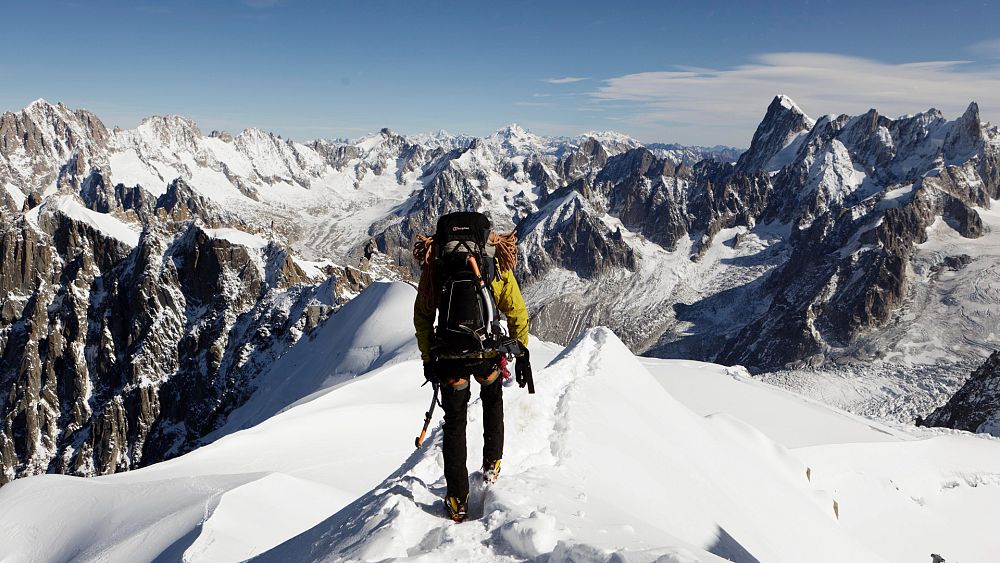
(910, 499)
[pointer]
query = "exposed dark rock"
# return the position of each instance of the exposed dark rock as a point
(976, 406)
(114, 357)
(955, 263)
(579, 242)
(781, 123)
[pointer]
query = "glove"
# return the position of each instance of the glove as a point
(522, 369)
(430, 373)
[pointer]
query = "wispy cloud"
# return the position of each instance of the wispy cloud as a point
(565, 79)
(725, 105)
(532, 104)
(989, 49)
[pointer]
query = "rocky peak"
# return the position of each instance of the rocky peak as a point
(587, 160)
(965, 136)
(221, 135)
(575, 239)
(512, 131)
(43, 129)
(254, 136)
(639, 161)
(45, 145)
(174, 132)
(515, 140)
(180, 202)
(782, 124)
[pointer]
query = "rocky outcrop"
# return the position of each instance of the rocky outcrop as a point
(649, 195)
(976, 406)
(586, 161)
(573, 239)
(117, 356)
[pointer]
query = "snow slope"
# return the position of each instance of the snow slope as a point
(356, 340)
(708, 388)
(612, 458)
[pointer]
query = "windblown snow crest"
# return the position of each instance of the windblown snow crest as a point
(601, 463)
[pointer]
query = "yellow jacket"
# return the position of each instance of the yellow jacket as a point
(509, 301)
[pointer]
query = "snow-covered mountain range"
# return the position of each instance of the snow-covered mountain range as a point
(150, 274)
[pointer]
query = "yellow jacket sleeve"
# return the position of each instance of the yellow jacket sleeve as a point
(423, 323)
(511, 303)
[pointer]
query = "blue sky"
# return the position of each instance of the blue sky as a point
(690, 72)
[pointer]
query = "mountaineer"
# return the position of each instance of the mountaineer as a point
(466, 277)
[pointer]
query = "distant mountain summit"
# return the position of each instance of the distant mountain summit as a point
(774, 141)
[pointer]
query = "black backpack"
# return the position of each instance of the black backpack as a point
(467, 314)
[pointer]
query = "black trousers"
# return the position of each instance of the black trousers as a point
(456, 406)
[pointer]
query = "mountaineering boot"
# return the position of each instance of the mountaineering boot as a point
(491, 470)
(455, 507)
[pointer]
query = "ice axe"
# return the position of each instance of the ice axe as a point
(427, 418)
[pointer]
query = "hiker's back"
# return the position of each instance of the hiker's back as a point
(465, 270)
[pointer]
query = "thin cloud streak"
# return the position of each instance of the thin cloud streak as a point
(565, 79)
(989, 49)
(731, 101)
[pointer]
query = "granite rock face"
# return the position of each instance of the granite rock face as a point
(117, 356)
(47, 145)
(976, 406)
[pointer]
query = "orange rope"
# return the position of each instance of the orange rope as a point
(506, 246)
(422, 249)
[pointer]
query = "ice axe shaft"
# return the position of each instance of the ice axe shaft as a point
(427, 419)
(475, 269)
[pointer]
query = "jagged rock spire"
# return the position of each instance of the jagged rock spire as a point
(783, 121)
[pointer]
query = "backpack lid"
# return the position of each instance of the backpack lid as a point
(463, 225)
